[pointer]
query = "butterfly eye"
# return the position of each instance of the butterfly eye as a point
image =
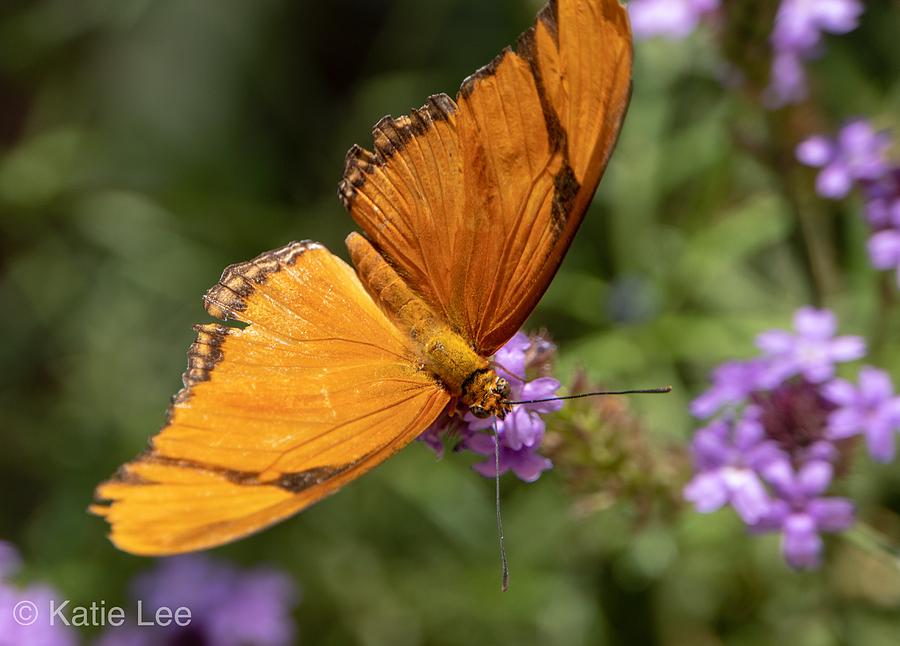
(502, 388)
(480, 412)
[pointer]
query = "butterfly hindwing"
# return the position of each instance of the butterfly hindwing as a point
(318, 388)
(475, 201)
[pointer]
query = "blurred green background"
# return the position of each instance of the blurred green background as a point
(146, 145)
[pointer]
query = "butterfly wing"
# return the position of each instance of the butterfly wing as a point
(319, 388)
(475, 201)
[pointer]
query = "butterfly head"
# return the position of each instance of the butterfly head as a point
(487, 395)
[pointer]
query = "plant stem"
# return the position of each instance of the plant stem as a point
(886, 305)
(868, 539)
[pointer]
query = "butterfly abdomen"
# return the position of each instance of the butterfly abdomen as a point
(390, 291)
(443, 352)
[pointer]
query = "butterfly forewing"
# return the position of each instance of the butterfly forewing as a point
(476, 201)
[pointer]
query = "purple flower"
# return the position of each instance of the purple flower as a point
(525, 462)
(432, 436)
(674, 19)
(727, 455)
(15, 632)
(799, 23)
(521, 432)
(787, 83)
(523, 426)
(732, 382)
(883, 200)
(858, 154)
(883, 214)
(812, 352)
(797, 35)
(510, 359)
(10, 561)
(769, 454)
(801, 513)
(884, 250)
(229, 607)
(872, 409)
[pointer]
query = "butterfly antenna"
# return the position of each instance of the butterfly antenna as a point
(642, 391)
(504, 561)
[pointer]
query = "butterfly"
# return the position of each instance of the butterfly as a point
(467, 207)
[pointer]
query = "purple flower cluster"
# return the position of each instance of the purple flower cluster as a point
(776, 437)
(858, 157)
(797, 36)
(229, 607)
(674, 19)
(15, 628)
(520, 434)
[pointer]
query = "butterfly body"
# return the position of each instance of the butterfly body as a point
(444, 353)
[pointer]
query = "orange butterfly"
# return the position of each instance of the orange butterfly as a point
(468, 208)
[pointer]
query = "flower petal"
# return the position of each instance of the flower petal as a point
(522, 429)
(815, 151)
(707, 491)
(814, 477)
(875, 385)
(775, 341)
(749, 497)
(801, 544)
(835, 181)
(541, 388)
(818, 370)
(431, 437)
(822, 450)
(510, 359)
(528, 465)
(844, 423)
(747, 434)
(10, 560)
(814, 323)
(672, 19)
(880, 438)
(710, 446)
(839, 391)
(780, 475)
(488, 468)
(837, 16)
(760, 458)
(856, 135)
(787, 78)
(481, 443)
(707, 404)
(831, 514)
(773, 519)
(884, 249)
(892, 410)
(847, 348)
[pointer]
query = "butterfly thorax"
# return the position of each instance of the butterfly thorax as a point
(442, 351)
